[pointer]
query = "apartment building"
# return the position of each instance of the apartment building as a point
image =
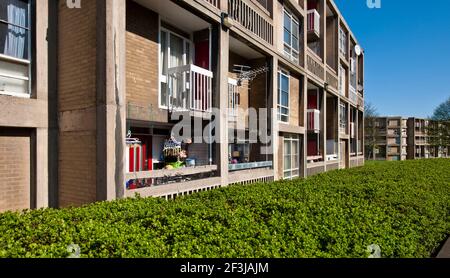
(420, 141)
(391, 138)
(91, 96)
(399, 138)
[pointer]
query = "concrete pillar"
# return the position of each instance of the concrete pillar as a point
(41, 94)
(273, 105)
(323, 139)
(111, 113)
(221, 39)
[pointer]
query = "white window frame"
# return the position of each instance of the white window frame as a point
(342, 80)
(342, 41)
(343, 111)
(283, 73)
(292, 50)
(288, 173)
(163, 78)
(18, 61)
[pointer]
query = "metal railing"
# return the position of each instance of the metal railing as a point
(313, 21)
(190, 88)
(246, 13)
(314, 120)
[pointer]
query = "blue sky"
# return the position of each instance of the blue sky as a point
(407, 45)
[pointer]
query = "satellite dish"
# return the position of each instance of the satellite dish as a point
(358, 50)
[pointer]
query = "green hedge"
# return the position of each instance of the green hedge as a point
(404, 207)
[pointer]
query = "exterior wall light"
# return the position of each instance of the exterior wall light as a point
(226, 21)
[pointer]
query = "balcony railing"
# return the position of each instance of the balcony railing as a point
(215, 3)
(314, 64)
(314, 120)
(352, 130)
(314, 22)
(233, 99)
(353, 96)
(332, 150)
(190, 89)
(247, 14)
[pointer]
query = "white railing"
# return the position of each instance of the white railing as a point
(353, 96)
(314, 120)
(190, 88)
(353, 73)
(352, 130)
(314, 22)
(342, 80)
(342, 42)
(233, 99)
(251, 17)
(332, 150)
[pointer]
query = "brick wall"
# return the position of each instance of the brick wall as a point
(294, 99)
(15, 171)
(142, 64)
(77, 91)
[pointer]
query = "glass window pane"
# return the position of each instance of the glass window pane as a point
(287, 37)
(295, 29)
(163, 100)
(14, 34)
(164, 50)
(284, 99)
(295, 44)
(15, 11)
(176, 51)
(285, 83)
(287, 21)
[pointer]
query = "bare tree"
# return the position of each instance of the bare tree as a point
(371, 129)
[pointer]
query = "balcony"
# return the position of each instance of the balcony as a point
(352, 130)
(190, 89)
(252, 17)
(353, 96)
(215, 3)
(233, 100)
(314, 120)
(313, 26)
(332, 150)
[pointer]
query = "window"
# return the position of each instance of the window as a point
(342, 80)
(291, 36)
(175, 52)
(342, 41)
(15, 64)
(283, 96)
(291, 157)
(343, 123)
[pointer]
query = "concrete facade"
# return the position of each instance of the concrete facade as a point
(399, 138)
(99, 77)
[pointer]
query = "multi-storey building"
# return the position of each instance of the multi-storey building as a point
(90, 96)
(420, 142)
(398, 138)
(391, 138)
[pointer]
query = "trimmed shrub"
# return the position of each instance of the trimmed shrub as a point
(404, 207)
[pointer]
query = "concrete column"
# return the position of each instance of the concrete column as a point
(41, 93)
(111, 113)
(323, 138)
(273, 105)
(42, 192)
(221, 39)
(305, 121)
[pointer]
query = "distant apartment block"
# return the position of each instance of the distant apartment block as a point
(399, 138)
(88, 96)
